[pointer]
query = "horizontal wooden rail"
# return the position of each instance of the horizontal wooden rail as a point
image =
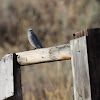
(54, 53)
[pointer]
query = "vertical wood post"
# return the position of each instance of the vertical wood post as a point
(86, 65)
(6, 77)
(10, 78)
(80, 69)
(17, 80)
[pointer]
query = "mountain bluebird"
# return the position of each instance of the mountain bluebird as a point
(34, 41)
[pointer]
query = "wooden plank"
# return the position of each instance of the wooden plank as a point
(6, 77)
(93, 49)
(55, 53)
(80, 69)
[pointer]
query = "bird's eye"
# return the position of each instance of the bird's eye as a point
(30, 30)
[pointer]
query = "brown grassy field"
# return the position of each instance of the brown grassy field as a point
(54, 22)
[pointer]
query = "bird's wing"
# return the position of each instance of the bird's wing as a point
(37, 41)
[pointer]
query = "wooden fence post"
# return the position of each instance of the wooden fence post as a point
(80, 69)
(6, 77)
(86, 64)
(17, 80)
(10, 78)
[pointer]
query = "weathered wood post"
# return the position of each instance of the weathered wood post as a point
(10, 78)
(85, 59)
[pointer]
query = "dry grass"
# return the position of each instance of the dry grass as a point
(52, 81)
(53, 22)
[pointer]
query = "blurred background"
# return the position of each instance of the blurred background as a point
(54, 22)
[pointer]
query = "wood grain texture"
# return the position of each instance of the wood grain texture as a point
(80, 69)
(55, 53)
(6, 77)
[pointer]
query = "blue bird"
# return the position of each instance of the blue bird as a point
(34, 41)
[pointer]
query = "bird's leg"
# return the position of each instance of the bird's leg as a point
(34, 48)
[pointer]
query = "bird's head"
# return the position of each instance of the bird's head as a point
(30, 31)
